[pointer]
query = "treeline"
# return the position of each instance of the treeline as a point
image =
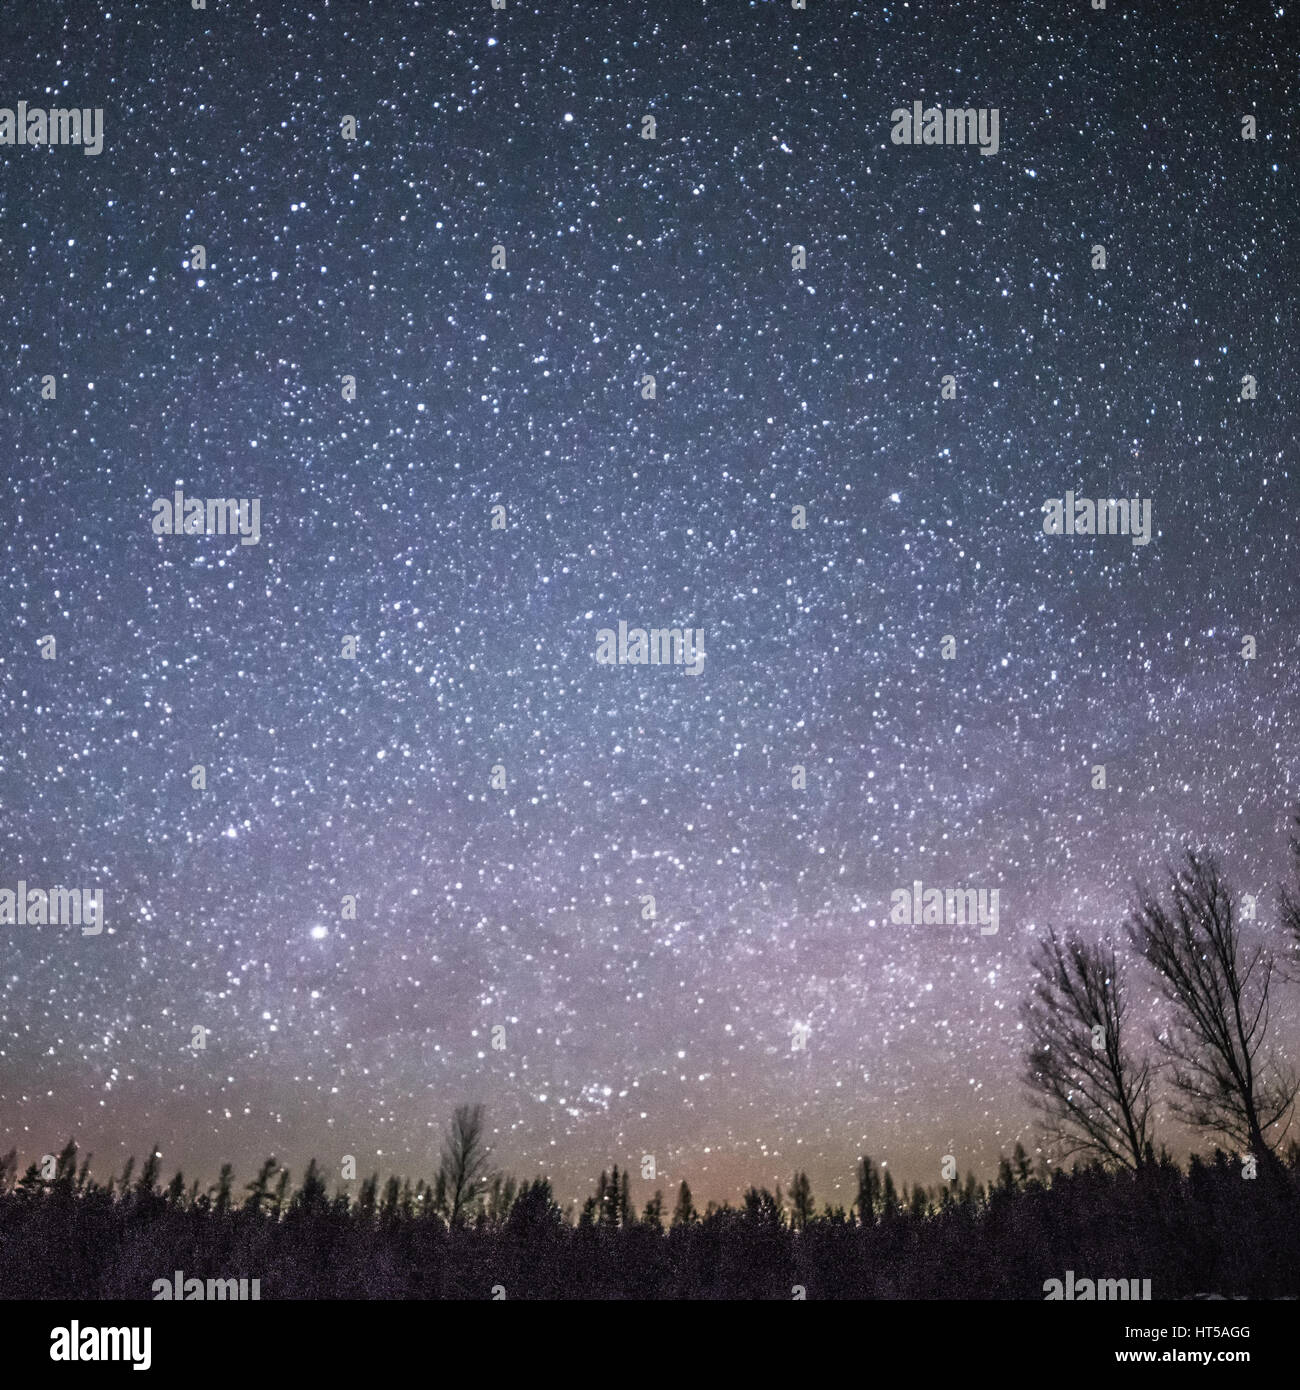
(1228, 1225)
(1206, 1229)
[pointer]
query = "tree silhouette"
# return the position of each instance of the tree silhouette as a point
(258, 1189)
(801, 1201)
(624, 1201)
(684, 1213)
(1291, 901)
(147, 1185)
(762, 1208)
(1220, 1002)
(534, 1210)
(499, 1197)
(1094, 1098)
(868, 1191)
(278, 1200)
(65, 1171)
(224, 1181)
(463, 1166)
(653, 1214)
(889, 1207)
(31, 1184)
(1021, 1160)
(312, 1197)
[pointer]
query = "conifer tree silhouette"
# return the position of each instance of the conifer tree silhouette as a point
(684, 1213)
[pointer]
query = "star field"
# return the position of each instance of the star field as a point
(521, 387)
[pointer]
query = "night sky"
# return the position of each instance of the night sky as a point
(522, 387)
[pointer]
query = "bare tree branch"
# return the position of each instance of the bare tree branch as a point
(1221, 1080)
(1094, 1097)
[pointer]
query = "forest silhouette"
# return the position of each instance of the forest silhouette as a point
(1224, 1225)
(1202, 1230)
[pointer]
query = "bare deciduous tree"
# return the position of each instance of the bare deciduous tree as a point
(463, 1168)
(1219, 993)
(1095, 1098)
(1291, 905)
